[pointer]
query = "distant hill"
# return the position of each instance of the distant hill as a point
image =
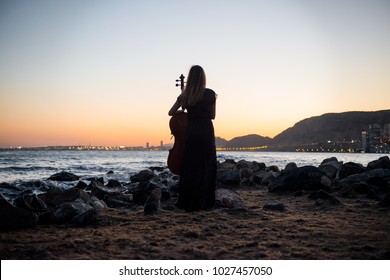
(252, 140)
(336, 127)
(332, 126)
(220, 142)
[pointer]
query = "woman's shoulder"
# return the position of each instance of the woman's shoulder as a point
(210, 93)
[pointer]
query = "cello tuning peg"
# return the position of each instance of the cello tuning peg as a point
(177, 85)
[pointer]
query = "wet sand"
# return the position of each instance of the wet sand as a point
(355, 229)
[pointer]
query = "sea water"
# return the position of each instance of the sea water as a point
(26, 165)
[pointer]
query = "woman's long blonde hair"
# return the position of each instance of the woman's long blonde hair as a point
(195, 86)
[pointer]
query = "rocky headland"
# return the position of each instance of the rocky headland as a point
(332, 211)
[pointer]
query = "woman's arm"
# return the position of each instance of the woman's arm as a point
(174, 108)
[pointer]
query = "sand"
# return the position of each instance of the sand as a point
(355, 229)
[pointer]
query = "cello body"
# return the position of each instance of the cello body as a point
(178, 126)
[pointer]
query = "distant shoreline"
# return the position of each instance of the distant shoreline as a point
(167, 147)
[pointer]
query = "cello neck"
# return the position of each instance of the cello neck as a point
(181, 80)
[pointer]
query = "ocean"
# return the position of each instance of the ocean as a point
(24, 165)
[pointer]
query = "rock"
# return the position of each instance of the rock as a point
(261, 166)
(165, 194)
(322, 196)
(258, 176)
(378, 176)
(113, 196)
(301, 178)
(30, 202)
(274, 207)
(169, 182)
(64, 176)
(143, 176)
(97, 203)
(348, 169)
(75, 212)
(117, 200)
(152, 204)
(273, 168)
(329, 169)
(227, 164)
(374, 193)
(35, 185)
(96, 180)
(228, 177)
(113, 184)
(247, 182)
(10, 191)
(382, 162)
(84, 218)
(245, 173)
(347, 192)
(290, 166)
(360, 187)
(12, 217)
(244, 164)
(54, 197)
(81, 185)
(264, 178)
(328, 160)
(330, 166)
(228, 198)
(385, 202)
(142, 192)
(326, 181)
(175, 188)
(157, 168)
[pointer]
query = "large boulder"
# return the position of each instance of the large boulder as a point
(290, 166)
(228, 198)
(64, 177)
(301, 178)
(385, 202)
(143, 176)
(245, 164)
(322, 197)
(377, 177)
(75, 212)
(152, 204)
(382, 162)
(143, 190)
(329, 160)
(348, 169)
(10, 191)
(264, 177)
(227, 164)
(113, 196)
(54, 197)
(117, 200)
(30, 201)
(229, 177)
(12, 217)
(113, 184)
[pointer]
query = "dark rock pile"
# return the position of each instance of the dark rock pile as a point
(156, 189)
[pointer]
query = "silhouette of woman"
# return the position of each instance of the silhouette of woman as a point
(199, 165)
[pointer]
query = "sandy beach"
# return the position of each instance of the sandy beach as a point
(357, 228)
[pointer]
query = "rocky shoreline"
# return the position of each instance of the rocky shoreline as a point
(284, 213)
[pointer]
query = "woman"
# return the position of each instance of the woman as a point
(199, 166)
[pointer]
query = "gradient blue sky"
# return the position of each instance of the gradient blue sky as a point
(103, 72)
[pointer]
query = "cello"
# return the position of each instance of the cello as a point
(178, 126)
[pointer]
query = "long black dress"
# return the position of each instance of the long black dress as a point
(199, 166)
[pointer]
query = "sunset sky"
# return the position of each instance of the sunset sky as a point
(103, 72)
